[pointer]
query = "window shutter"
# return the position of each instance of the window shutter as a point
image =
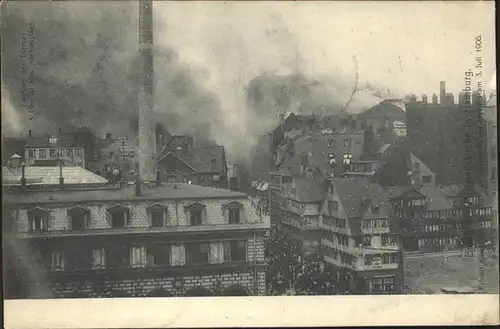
(98, 256)
(182, 255)
(225, 213)
(243, 215)
(177, 255)
(129, 217)
(108, 218)
(188, 217)
(143, 256)
(216, 253)
(88, 221)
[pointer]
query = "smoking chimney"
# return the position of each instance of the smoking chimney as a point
(147, 126)
(442, 92)
(434, 99)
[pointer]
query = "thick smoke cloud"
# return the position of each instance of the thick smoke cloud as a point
(86, 72)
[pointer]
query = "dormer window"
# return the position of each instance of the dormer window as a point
(195, 212)
(38, 219)
(157, 215)
(118, 216)
(233, 212)
(375, 209)
(79, 218)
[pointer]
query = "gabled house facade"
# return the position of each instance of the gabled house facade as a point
(180, 161)
(359, 237)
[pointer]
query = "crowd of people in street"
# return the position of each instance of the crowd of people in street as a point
(289, 271)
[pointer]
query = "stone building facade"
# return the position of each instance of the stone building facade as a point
(162, 240)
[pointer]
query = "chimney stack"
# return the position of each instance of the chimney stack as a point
(442, 92)
(424, 98)
(29, 133)
(450, 99)
(23, 175)
(147, 126)
(413, 98)
(108, 136)
(434, 99)
(462, 98)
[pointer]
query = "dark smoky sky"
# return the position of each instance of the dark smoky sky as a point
(209, 54)
(86, 72)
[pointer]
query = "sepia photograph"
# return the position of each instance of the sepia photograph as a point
(326, 153)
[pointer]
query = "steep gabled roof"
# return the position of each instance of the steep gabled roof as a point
(388, 107)
(355, 194)
(203, 159)
(306, 190)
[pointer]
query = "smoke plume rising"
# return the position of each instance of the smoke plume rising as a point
(86, 72)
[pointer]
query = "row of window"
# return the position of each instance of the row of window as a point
(153, 255)
(438, 241)
(119, 217)
(375, 223)
(342, 256)
(336, 239)
(335, 222)
(53, 152)
(378, 260)
(346, 143)
(383, 284)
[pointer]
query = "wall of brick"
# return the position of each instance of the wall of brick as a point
(258, 248)
(143, 286)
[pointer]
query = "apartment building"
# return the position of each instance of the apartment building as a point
(50, 151)
(301, 206)
(431, 218)
(165, 239)
(359, 237)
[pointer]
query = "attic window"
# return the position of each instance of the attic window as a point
(375, 209)
(52, 140)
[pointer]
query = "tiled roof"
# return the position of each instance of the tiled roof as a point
(166, 191)
(208, 158)
(355, 194)
(396, 191)
(205, 159)
(307, 190)
(50, 176)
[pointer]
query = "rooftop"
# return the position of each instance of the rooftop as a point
(50, 176)
(307, 190)
(166, 191)
(205, 159)
(358, 193)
